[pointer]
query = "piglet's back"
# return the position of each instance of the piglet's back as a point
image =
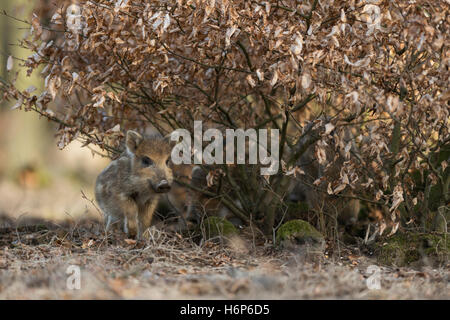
(113, 177)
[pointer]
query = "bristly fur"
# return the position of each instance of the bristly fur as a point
(126, 190)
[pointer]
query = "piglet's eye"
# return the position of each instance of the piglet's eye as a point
(167, 161)
(146, 161)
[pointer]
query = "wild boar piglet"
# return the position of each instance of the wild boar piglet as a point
(129, 188)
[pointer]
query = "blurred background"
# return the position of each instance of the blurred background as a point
(37, 179)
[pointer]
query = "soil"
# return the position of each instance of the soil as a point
(36, 255)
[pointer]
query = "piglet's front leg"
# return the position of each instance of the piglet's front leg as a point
(144, 216)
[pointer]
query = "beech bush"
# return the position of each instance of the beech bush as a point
(369, 79)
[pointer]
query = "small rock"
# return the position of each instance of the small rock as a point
(299, 236)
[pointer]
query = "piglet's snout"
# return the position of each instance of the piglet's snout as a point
(163, 186)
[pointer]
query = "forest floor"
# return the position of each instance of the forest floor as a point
(36, 258)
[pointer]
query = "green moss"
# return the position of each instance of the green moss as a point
(299, 232)
(213, 227)
(404, 249)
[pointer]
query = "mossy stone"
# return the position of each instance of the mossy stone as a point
(410, 249)
(297, 233)
(213, 227)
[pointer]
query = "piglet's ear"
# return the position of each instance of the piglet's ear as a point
(134, 139)
(169, 141)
